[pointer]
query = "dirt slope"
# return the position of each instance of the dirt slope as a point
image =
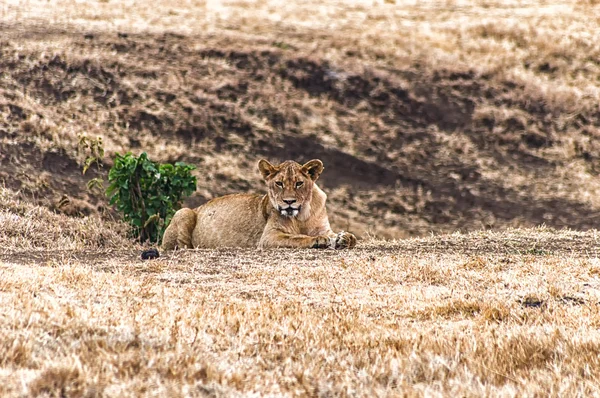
(411, 144)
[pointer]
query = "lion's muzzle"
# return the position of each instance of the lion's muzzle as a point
(288, 211)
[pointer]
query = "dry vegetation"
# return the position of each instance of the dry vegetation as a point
(509, 313)
(429, 115)
(420, 109)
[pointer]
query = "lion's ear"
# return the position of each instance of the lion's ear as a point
(266, 168)
(313, 168)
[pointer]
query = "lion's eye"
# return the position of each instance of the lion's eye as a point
(299, 184)
(279, 184)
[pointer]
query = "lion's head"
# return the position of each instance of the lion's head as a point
(290, 185)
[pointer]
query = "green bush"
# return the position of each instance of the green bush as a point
(148, 193)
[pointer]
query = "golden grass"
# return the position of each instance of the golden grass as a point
(488, 313)
(501, 133)
(26, 227)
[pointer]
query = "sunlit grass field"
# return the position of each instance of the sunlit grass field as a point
(450, 131)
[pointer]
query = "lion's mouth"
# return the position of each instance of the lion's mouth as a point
(289, 211)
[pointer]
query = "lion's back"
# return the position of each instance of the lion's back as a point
(230, 221)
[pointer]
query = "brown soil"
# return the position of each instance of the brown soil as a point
(409, 147)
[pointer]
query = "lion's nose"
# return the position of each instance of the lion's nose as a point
(289, 201)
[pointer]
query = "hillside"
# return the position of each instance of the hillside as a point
(439, 116)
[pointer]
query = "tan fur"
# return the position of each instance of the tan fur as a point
(291, 214)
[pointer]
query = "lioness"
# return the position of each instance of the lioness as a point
(291, 214)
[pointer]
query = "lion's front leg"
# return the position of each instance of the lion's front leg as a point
(275, 238)
(281, 239)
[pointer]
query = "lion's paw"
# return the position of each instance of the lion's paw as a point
(345, 240)
(322, 242)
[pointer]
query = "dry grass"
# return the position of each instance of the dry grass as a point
(495, 314)
(26, 227)
(430, 116)
(420, 109)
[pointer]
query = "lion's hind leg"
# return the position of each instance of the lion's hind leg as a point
(178, 234)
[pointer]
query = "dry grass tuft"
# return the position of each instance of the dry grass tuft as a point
(29, 227)
(62, 382)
